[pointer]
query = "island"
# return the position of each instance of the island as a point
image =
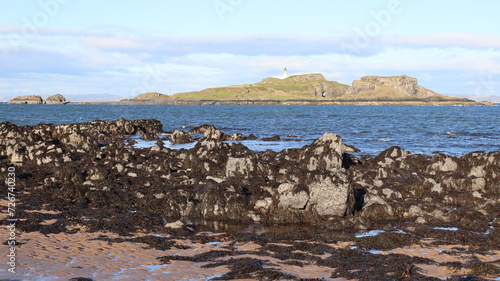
(312, 89)
(33, 99)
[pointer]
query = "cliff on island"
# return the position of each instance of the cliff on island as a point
(313, 89)
(54, 99)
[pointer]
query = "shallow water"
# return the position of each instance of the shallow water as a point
(454, 130)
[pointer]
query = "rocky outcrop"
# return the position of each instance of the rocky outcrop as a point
(392, 88)
(56, 99)
(180, 137)
(26, 100)
(401, 84)
(81, 168)
(398, 185)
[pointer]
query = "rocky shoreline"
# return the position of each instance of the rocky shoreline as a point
(88, 178)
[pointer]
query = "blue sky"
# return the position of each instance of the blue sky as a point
(94, 50)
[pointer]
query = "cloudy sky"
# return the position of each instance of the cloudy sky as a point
(94, 50)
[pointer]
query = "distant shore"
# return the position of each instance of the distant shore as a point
(285, 102)
(290, 102)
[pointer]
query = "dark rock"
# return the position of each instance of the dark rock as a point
(325, 153)
(210, 132)
(180, 137)
(202, 129)
(236, 137)
(150, 137)
(160, 144)
(275, 138)
(251, 137)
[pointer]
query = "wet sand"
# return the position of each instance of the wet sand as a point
(63, 256)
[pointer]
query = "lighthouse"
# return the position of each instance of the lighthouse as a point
(285, 73)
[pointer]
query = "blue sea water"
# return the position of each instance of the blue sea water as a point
(454, 130)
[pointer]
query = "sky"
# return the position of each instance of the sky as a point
(91, 50)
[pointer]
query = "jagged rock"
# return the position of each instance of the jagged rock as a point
(325, 153)
(251, 137)
(236, 137)
(202, 129)
(150, 137)
(26, 100)
(180, 137)
(216, 158)
(210, 132)
(331, 195)
(56, 99)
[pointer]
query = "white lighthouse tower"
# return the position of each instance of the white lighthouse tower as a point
(285, 73)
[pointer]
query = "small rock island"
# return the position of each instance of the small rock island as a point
(33, 99)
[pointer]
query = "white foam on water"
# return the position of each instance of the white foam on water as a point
(446, 228)
(258, 145)
(369, 233)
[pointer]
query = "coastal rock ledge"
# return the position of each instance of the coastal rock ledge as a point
(94, 177)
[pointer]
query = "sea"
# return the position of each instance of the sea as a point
(452, 130)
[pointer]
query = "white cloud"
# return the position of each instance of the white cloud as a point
(450, 40)
(124, 64)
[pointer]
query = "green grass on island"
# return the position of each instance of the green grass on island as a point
(312, 87)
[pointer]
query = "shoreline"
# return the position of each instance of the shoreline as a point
(292, 102)
(280, 102)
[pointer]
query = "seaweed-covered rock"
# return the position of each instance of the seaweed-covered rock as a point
(180, 137)
(87, 167)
